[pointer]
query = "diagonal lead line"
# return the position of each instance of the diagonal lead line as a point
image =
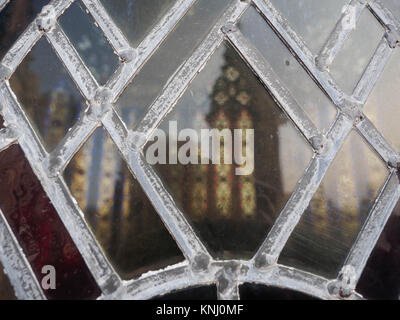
(17, 266)
(3, 3)
(179, 83)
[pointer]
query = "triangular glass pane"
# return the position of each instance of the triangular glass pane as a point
(232, 213)
(118, 211)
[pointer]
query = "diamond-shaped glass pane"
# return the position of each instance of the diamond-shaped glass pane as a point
(40, 231)
(232, 213)
(329, 226)
(381, 276)
(136, 18)
(314, 20)
(305, 91)
(6, 290)
(357, 51)
(89, 41)
(179, 45)
(118, 211)
(383, 105)
(15, 18)
(47, 93)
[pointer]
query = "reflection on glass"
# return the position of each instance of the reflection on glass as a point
(196, 293)
(136, 18)
(89, 41)
(47, 93)
(329, 226)
(313, 20)
(251, 291)
(15, 18)
(122, 218)
(6, 289)
(357, 51)
(233, 213)
(314, 102)
(383, 105)
(39, 230)
(179, 45)
(381, 276)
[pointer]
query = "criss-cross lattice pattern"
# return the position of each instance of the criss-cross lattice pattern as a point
(199, 267)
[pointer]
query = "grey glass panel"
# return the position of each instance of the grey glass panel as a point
(196, 293)
(6, 290)
(329, 227)
(357, 51)
(233, 213)
(89, 41)
(136, 18)
(309, 96)
(381, 276)
(178, 47)
(383, 105)
(47, 93)
(15, 18)
(393, 6)
(314, 20)
(122, 218)
(251, 291)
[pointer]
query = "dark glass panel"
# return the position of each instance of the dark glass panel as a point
(89, 41)
(251, 291)
(323, 238)
(195, 293)
(15, 18)
(39, 230)
(122, 218)
(233, 213)
(6, 289)
(47, 93)
(176, 49)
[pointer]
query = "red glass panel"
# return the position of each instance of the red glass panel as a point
(39, 229)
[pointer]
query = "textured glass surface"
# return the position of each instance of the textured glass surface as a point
(178, 47)
(313, 20)
(251, 291)
(329, 227)
(89, 41)
(383, 105)
(122, 218)
(381, 276)
(233, 213)
(39, 230)
(196, 293)
(136, 18)
(305, 91)
(357, 51)
(15, 18)
(6, 290)
(393, 6)
(47, 93)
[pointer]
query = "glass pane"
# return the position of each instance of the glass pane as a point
(357, 51)
(47, 93)
(383, 105)
(314, 20)
(178, 47)
(251, 291)
(40, 231)
(231, 212)
(393, 6)
(309, 96)
(15, 18)
(322, 239)
(381, 276)
(6, 289)
(122, 218)
(196, 293)
(136, 18)
(89, 41)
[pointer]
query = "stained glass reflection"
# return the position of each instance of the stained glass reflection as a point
(177, 47)
(233, 213)
(323, 238)
(118, 211)
(47, 93)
